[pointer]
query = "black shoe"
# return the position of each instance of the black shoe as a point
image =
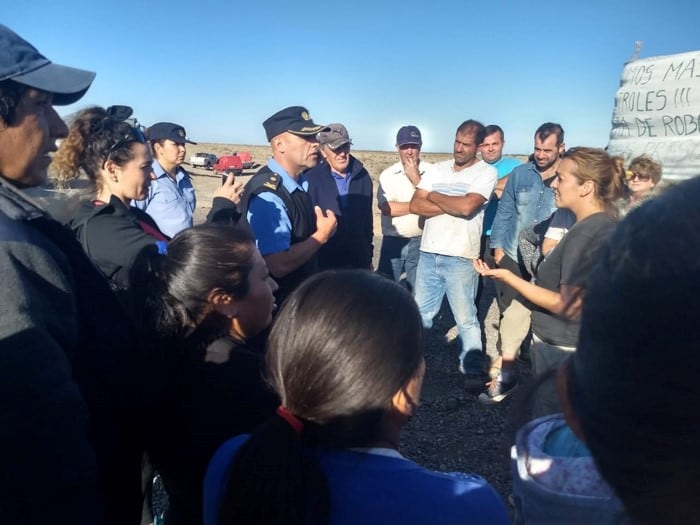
(497, 392)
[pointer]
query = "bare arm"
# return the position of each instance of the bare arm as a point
(394, 209)
(457, 205)
(400, 208)
(420, 205)
(566, 302)
(285, 262)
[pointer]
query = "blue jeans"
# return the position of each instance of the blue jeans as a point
(398, 255)
(455, 276)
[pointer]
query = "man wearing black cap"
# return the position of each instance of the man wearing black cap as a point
(342, 184)
(401, 230)
(288, 229)
(64, 338)
(171, 199)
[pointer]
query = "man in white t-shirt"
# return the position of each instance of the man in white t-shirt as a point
(401, 230)
(452, 199)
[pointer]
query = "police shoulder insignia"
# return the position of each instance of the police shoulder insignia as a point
(272, 182)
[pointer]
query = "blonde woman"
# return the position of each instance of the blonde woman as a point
(588, 182)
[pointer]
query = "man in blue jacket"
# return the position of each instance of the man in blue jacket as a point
(342, 184)
(526, 200)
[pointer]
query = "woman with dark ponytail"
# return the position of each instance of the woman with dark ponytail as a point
(199, 305)
(345, 356)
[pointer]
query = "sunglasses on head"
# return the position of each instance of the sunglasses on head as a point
(135, 133)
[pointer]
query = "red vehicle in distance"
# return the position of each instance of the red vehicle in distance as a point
(246, 159)
(229, 164)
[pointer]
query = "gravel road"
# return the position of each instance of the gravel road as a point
(452, 431)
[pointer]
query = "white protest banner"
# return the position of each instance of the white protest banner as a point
(657, 112)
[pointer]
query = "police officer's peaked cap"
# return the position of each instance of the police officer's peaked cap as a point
(168, 130)
(294, 119)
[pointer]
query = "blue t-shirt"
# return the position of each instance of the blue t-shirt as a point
(378, 488)
(503, 166)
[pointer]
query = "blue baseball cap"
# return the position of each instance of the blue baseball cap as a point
(408, 135)
(22, 63)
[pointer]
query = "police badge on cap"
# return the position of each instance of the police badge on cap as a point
(294, 119)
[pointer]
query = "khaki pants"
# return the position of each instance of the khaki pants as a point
(513, 329)
(545, 357)
(515, 317)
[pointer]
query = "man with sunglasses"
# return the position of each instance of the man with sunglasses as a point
(64, 339)
(342, 184)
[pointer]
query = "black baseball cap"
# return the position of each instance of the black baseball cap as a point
(294, 119)
(22, 63)
(168, 130)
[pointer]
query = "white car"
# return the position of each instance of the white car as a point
(203, 160)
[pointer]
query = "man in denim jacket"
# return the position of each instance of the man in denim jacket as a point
(527, 199)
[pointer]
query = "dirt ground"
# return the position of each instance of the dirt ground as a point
(452, 431)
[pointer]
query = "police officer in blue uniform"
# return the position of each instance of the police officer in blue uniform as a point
(171, 199)
(288, 229)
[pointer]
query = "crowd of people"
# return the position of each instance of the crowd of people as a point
(260, 370)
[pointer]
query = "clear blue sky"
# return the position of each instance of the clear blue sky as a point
(220, 68)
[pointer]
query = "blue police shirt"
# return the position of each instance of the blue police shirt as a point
(268, 216)
(171, 203)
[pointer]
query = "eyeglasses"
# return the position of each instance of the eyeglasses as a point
(631, 175)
